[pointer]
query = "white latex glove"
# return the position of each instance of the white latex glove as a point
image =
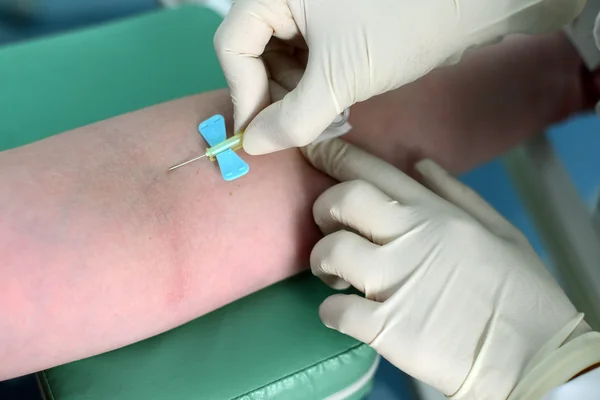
(357, 49)
(455, 295)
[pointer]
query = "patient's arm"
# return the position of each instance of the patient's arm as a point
(100, 247)
(495, 98)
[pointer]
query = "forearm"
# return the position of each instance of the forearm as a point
(494, 99)
(101, 247)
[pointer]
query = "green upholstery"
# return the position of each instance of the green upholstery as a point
(268, 345)
(56, 84)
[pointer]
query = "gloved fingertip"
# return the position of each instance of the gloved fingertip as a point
(339, 284)
(427, 167)
(328, 156)
(257, 143)
(352, 315)
(329, 312)
(252, 149)
(332, 281)
(327, 325)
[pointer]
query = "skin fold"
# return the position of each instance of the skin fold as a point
(100, 247)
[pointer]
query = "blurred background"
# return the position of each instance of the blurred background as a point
(577, 143)
(28, 19)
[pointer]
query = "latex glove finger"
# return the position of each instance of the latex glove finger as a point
(454, 191)
(362, 207)
(352, 315)
(342, 259)
(239, 42)
(345, 162)
(296, 120)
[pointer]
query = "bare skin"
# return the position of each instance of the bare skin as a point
(495, 98)
(100, 247)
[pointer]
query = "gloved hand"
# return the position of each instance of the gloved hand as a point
(454, 294)
(358, 49)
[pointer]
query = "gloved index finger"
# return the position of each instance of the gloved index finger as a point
(344, 162)
(239, 42)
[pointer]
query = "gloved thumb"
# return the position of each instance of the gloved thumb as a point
(296, 120)
(346, 162)
(451, 189)
(351, 315)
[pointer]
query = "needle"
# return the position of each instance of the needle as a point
(186, 162)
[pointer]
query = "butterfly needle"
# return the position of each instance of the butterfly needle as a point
(186, 162)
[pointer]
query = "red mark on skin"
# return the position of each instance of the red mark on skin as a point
(175, 244)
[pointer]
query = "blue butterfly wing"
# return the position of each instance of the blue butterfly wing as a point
(232, 166)
(213, 130)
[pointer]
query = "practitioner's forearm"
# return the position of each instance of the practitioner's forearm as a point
(101, 247)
